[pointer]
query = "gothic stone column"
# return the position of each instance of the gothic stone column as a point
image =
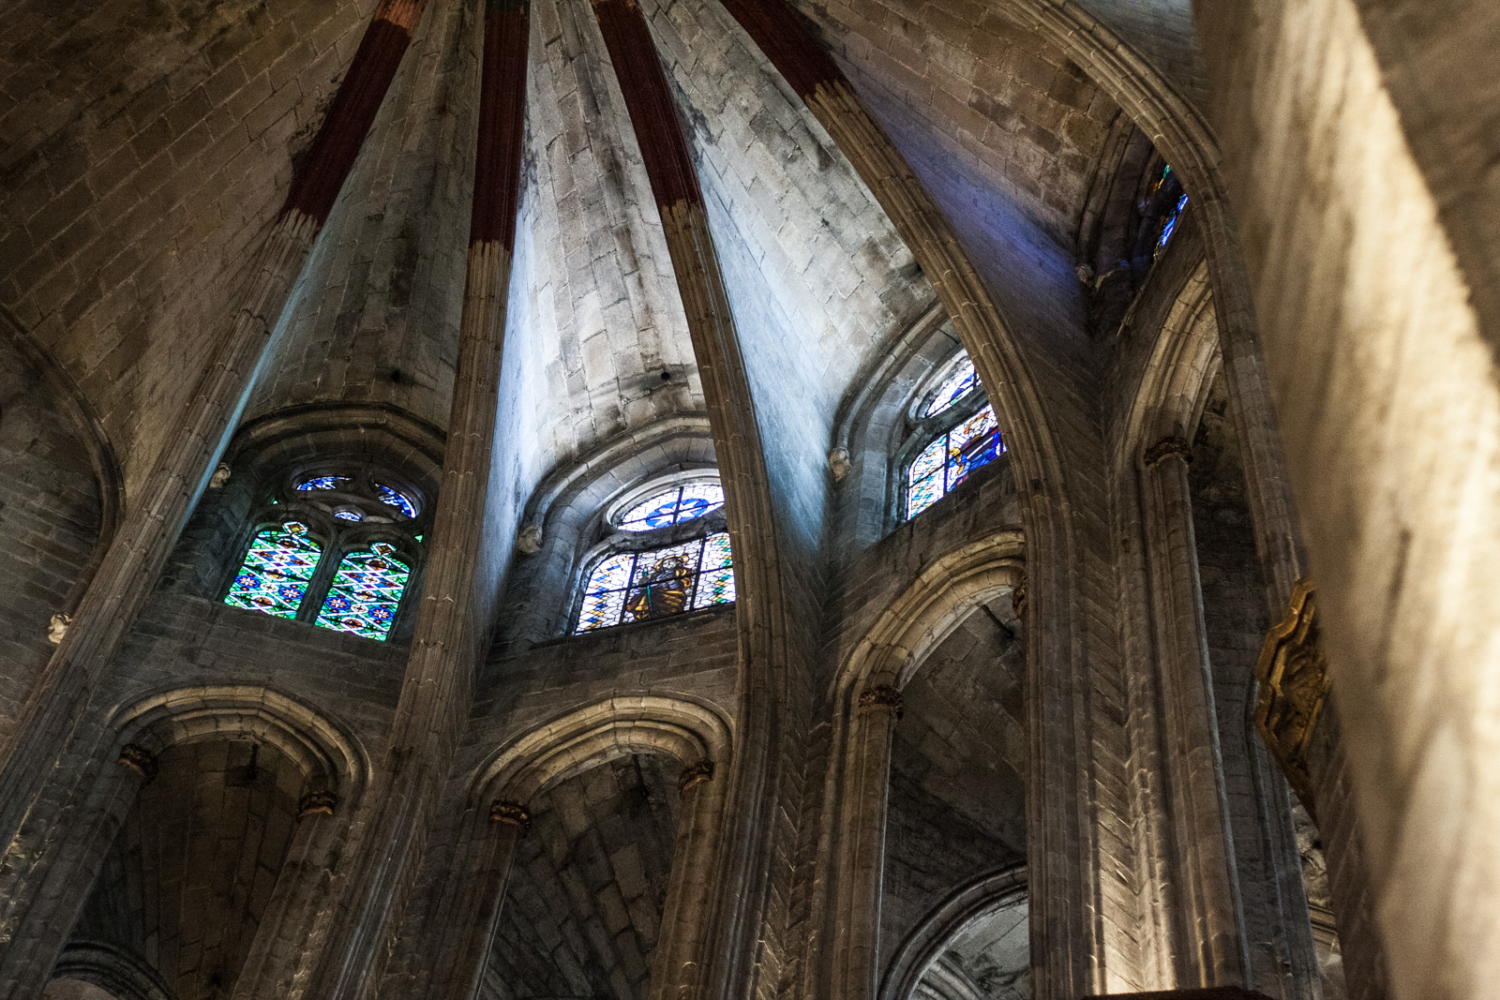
(1210, 947)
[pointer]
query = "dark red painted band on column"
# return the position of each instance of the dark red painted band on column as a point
(785, 37)
(652, 110)
(321, 176)
(502, 120)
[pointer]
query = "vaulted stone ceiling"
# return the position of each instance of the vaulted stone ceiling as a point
(139, 177)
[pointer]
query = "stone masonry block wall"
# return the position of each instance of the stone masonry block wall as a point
(49, 519)
(148, 150)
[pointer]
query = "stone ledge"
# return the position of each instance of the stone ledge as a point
(1212, 993)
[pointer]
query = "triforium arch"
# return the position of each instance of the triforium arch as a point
(866, 698)
(497, 814)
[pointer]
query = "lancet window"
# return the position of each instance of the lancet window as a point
(334, 547)
(668, 554)
(967, 437)
(1163, 205)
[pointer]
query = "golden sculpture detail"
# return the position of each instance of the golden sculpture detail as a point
(1293, 678)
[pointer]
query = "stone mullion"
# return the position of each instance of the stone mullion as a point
(737, 929)
(1211, 950)
(1074, 919)
(133, 562)
(447, 644)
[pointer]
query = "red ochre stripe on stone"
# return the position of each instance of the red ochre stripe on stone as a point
(502, 118)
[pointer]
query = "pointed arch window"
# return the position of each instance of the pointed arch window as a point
(643, 582)
(1169, 201)
(339, 551)
(966, 438)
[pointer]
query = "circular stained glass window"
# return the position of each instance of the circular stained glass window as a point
(673, 506)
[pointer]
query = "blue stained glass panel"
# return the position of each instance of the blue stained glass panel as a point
(366, 592)
(930, 461)
(923, 494)
(348, 515)
(273, 578)
(323, 483)
(673, 507)
(395, 498)
(954, 387)
(947, 461)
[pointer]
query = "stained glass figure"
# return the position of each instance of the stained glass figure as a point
(323, 483)
(395, 498)
(949, 460)
(683, 503)
(954, 387)
(638, 586)
(366, 592)
(273, 578)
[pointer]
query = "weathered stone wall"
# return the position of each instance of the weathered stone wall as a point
(148, 151)
(50, 514)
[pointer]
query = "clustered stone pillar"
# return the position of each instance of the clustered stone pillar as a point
(862, 865)
(1063, 902)
(761, 611)
(140, 547)
(296, 919)
(677, 968)
(1210, 948)
(448, 642)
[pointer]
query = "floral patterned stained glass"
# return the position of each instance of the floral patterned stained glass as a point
(954, 387)
(637, 586)
(949, 460)
(366, 592)
(273, 578)
(683, 503)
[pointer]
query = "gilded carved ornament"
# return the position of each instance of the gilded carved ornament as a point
(881, 696)
(695, 774)
(317, 804)
(140, 760)
(1293, 676)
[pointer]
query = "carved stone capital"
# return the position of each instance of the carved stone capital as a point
(881, 697)
(1168, 447)
(1018, 598)
(141, 761)
(1293, 676)
(695, 774)
(511, 814)
(317, 804)
(839, 464)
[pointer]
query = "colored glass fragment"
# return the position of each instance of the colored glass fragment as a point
(273, 578)
(950, 459)
(348, 515)
(366, 592)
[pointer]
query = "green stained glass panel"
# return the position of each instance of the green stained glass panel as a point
(273, 578)
(366, 592)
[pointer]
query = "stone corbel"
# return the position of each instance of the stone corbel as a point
(1293, 676)
(317, 804)
(511, 813)
(880, 697)
(141, 761)
(1167, 447)
(695, 774)
(1018, 598)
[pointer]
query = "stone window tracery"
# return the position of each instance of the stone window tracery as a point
(668, 555)
(333, 547)
(967, 437)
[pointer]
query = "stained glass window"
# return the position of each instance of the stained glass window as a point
(681, 503)
(949, 460)
(348, 515)
(273, 578)
(954, 387)
(323, 483)
(395, 498)
(1170, 225)
(366, 592)
(637, 586)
